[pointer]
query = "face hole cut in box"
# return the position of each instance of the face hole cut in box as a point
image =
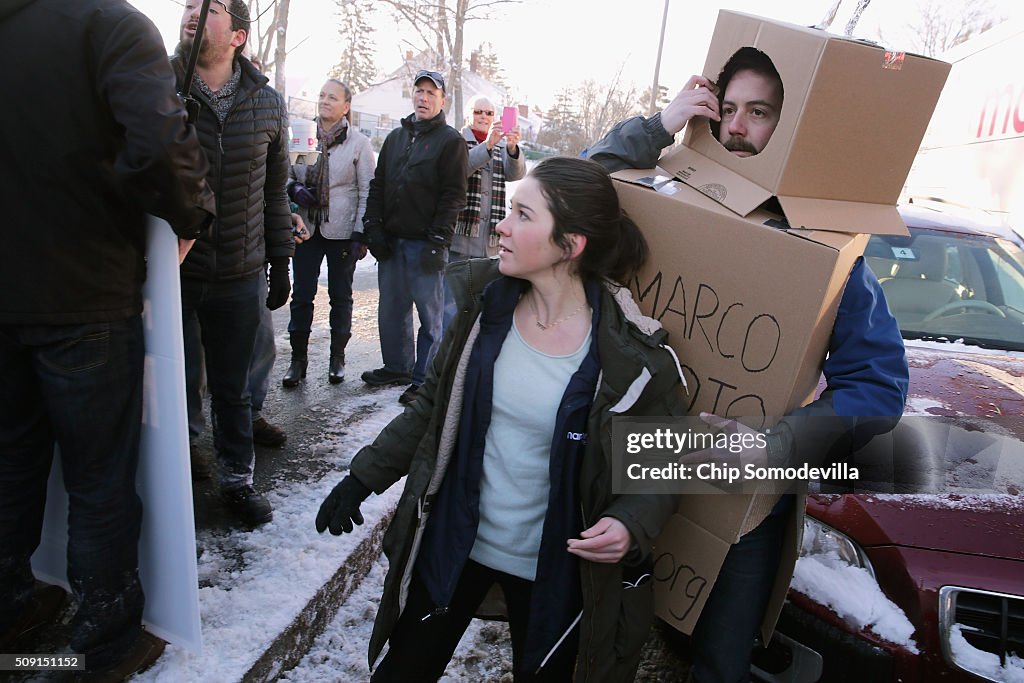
(750, 100)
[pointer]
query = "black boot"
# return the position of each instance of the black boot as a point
(297, 368)
(336, 371)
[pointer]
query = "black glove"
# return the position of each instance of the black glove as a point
(377, 241)
(434, 257)
(340, 508)
(280, 285)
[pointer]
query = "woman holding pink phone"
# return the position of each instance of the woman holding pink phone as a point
(494, 159)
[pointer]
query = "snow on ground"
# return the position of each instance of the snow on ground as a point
(958, 346)
(254, 583)
(1004, 503)
(852, 593)
(339, 654)
(919, 405)
(984, 663)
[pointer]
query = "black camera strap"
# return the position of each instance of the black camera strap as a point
(191, 103)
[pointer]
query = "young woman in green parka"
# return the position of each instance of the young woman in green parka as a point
(507, 448)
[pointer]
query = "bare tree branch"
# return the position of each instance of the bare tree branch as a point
(281, 53)
(940, 27)
(441, 25)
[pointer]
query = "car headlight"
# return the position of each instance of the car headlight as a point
(821, 539)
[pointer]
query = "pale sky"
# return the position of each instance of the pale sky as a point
(547, 45)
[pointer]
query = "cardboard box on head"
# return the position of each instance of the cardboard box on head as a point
(750, 256)
(851, 123)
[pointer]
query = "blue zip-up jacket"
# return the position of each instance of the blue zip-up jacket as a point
(449, 538)
(639, 376)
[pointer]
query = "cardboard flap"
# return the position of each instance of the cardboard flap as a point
(840, 216)
(708, 177)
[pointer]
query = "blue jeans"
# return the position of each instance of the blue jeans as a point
(79, 387)
(341, 267)
(402, 283)
(229, 316)
(195, 375)
(724, 636)
(264, 353)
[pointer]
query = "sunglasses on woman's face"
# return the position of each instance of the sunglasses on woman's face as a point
(488, 112)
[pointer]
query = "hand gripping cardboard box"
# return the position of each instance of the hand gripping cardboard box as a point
(750, 257)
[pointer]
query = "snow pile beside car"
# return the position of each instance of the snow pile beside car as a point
(984, 663)
(828, 573)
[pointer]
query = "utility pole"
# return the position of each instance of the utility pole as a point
(657, 64)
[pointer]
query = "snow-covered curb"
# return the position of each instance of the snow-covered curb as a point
(255, 584)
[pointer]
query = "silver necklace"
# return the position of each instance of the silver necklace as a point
(549, 325)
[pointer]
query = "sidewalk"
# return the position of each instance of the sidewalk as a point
(266, 594)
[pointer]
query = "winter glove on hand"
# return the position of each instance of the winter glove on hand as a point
(433, 258)
(377, 241)
(340, 508)
(302, 195)
(280, 286)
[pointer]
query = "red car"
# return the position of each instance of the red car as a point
(922, 579)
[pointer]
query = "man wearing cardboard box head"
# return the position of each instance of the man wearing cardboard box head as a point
(865, 370)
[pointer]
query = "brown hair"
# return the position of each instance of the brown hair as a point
(745, 59)
(582, 200)
(240, 20)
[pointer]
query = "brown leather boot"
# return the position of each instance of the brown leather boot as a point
(43, 607)
(146, 650)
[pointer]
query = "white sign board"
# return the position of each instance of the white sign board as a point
(167, 549)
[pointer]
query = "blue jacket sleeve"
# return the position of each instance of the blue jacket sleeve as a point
(866, 380)
(866, 369)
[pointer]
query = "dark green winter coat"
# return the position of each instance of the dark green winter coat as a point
(639, 378)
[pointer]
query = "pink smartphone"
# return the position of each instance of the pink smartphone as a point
(509, 118)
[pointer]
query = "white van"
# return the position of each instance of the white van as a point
(973, 152)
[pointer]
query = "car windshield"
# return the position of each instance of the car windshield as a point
(953, 286)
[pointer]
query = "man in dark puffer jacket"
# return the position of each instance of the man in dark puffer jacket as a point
(243, 128)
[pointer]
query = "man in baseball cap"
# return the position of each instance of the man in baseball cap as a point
(415, 196)
(434, 76)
